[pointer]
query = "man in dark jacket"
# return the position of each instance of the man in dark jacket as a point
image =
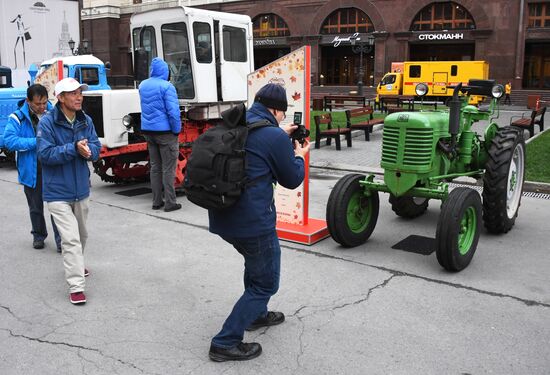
(20, 136)
(66, 142)
(161, 125)
(249, 225)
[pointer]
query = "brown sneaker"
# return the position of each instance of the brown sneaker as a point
(77, 298)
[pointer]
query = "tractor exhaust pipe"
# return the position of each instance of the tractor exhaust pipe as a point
(454, 115)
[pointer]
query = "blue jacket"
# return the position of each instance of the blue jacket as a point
(65, 173)
(269, 152)
(160, 111)
(20, 136)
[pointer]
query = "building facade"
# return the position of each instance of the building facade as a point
(512, 35)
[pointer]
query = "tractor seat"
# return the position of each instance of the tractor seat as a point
(483, 108)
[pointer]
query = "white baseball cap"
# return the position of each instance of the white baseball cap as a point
(68, 85)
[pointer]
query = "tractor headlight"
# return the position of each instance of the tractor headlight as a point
(421, 89)
(497, 91)
(127, 121)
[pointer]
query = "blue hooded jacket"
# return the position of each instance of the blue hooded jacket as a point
(269, 153)
(160, 111)
(65, 173)
(20, 136)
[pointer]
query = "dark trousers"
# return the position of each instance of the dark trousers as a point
(507, 99)
(262, 270)
(163, 157)
(36, 211)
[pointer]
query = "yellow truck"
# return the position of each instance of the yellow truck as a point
(438, 75)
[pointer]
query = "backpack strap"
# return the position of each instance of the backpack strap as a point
(18, 115)
(258, 124)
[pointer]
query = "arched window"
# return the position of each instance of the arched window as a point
(347, 20)
(443, 16)
(539, 14)
(270, 24)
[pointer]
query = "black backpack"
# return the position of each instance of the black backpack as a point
(216, 170)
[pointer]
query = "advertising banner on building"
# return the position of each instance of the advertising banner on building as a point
(49, 77)
(33, 31)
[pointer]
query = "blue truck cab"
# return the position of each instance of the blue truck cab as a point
(84, 68)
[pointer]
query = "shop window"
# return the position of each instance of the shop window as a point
(443, 16)
(539, 15)
(348, 21)
(269, 25)
(234, 44)
(454, 70)
(414, 71)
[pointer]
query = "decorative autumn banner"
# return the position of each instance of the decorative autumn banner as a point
(49, 77)
(290, 72)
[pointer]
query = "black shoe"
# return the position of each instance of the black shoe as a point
(271, 319)
(175, 207)
(158, 207)
(242, 352)
(59, 249)
(38, 244)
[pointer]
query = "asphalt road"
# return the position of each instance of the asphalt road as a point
(161, 286)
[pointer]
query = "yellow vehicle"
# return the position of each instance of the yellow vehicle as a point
(438, 75)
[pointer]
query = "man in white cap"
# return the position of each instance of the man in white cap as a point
(67, 140)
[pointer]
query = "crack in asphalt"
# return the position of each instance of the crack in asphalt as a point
(74, 346)
(525, 301)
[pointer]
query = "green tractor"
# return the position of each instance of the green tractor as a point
(421, 153)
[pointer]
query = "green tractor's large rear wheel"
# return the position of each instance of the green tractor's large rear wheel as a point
(351, 212)
(458, 229)
(503, 180)
(407, 206)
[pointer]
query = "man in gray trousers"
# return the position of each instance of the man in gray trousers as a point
(161, 125)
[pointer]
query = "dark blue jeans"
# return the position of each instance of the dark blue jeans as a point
(36, 211)
(262, 270)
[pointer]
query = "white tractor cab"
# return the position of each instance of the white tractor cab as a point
(209, 54)
(86, 69)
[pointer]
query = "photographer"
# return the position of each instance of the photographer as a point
(249, 225)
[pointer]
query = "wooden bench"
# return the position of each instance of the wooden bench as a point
(537, 118)
(330, 132)
(331, 101)
(365, 125)
(393, 104)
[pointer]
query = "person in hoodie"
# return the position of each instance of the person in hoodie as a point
(20, 136)
(161, 125)
(67, 141)
(249, 225)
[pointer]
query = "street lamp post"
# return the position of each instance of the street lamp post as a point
(82, 48)
(361, 48)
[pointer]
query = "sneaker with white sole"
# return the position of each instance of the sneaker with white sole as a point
(77, 298)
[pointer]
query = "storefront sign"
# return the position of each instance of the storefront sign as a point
(446, 36)
(337, 40)
(266, 42)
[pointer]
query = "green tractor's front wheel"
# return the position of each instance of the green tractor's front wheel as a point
(352, 212)
(458, 229)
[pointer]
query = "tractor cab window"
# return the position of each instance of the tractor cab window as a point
(145, 49)
(234, 44)
(454, 70)
(175, 45)
(203, 42)
(388, 80)
(89, 76)
(414, 71)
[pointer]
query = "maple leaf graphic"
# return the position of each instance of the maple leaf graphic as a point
(296, 96)
(292, 79)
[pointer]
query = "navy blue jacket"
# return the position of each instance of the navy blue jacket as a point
(65, 173)
(20, 136)
(160, 111)
(269, 153)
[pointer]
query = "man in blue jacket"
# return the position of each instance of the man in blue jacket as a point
(66, 142)
(161, 125)
(249, 225)
(20, 136)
